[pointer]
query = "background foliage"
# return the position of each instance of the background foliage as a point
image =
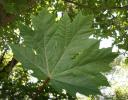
(110, 20)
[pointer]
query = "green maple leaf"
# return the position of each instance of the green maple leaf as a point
(63, 53)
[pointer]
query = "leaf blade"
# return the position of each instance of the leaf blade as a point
(65, 54)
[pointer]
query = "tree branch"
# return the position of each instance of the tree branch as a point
(8, 68)
(2, 56)
(123, 8)
(76, 3)
(86, 6)
(7, 18)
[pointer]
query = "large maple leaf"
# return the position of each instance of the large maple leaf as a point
(63, 53)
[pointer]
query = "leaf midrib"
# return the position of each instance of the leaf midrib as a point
(75, 67)
(63, 51)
